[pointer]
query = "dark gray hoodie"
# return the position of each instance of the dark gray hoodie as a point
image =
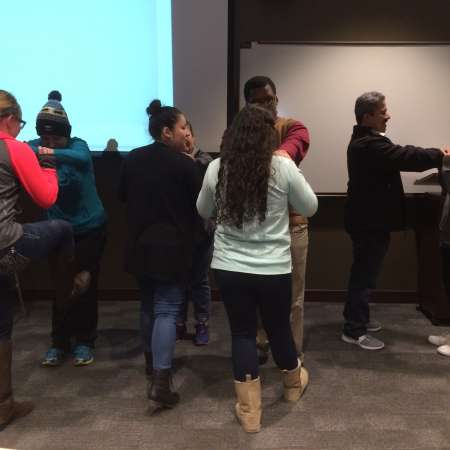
(444, 226)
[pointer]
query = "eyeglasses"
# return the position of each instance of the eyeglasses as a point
(266, 101)
(22, 123)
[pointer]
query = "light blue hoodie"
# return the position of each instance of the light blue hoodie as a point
(259, 248)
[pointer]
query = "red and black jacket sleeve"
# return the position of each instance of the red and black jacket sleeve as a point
(40, 183)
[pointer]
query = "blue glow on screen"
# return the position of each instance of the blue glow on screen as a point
(108, 59)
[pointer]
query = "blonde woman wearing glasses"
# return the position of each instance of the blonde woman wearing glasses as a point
(21, 243)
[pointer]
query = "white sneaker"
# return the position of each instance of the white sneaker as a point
(438, 340)
(444, 350)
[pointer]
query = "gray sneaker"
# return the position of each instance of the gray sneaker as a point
(373, 326)
(366, 342)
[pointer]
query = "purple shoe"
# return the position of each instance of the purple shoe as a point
(201, 334)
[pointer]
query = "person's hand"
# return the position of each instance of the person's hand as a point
(445, 151)
(283, 153)
(47, 160)
(188, 147)
(46, 151)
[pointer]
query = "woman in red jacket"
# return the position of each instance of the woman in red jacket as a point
(21, 243)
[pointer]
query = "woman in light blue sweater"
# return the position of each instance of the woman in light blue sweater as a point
(249, 191)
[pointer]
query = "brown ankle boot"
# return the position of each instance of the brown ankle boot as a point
(295, 382)
(9, 409)
(149, 371)
(160, 389)
(248, 406)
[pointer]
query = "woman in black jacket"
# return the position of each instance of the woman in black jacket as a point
(160, 184)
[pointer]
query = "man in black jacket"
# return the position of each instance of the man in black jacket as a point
(374, 207)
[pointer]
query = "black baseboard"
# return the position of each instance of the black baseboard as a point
(314, 295)
(317, 295)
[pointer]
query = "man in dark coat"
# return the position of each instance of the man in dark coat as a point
(374, 207)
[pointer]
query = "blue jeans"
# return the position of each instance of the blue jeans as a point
(161, 304)
(199, 291)
(38, 240)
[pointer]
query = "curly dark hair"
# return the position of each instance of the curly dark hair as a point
(245, 167)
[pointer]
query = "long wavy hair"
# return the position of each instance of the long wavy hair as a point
(245, 167)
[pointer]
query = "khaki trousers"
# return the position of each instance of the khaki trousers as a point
(299, 253)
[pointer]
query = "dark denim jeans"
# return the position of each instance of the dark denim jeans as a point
(369, 250)
(199, 291)
(38, 240)
(161, 303)
(243, 295)
(41, 238)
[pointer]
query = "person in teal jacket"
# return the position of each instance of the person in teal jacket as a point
(75, 309)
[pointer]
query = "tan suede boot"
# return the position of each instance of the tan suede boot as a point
(248, 406)
(295, 382)
(9, 409)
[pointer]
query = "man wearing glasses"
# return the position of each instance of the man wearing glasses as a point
(293, 144)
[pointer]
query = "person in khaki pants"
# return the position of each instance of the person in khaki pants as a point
(299, 253)
(293, 143)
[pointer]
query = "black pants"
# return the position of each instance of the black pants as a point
(7, 302)
(79, 319)
(369, 250)
(243, 294)
(445, 264)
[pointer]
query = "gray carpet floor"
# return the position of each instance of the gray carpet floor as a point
(396, 399)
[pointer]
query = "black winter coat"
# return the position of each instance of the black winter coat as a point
(160, 187)
(375, 196)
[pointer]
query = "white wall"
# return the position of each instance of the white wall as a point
(318, 84)
(200, 34)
